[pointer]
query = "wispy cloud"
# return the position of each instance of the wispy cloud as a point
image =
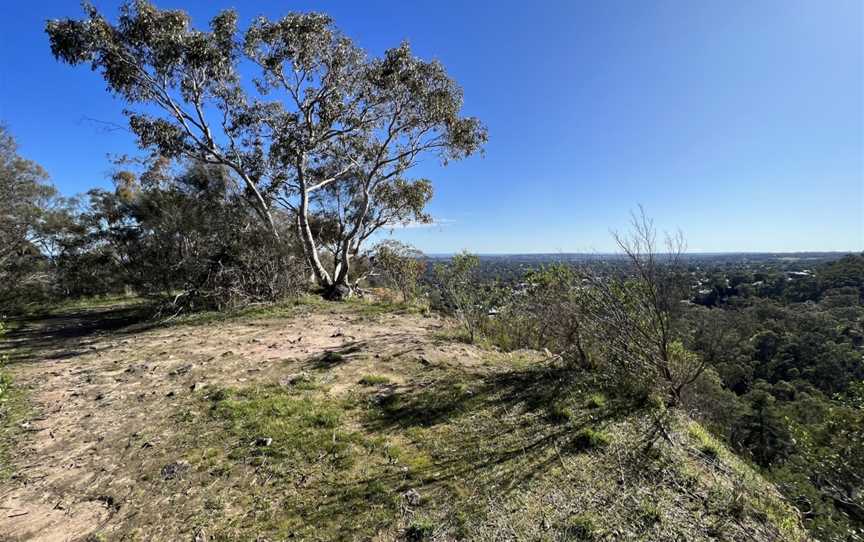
(437, 222)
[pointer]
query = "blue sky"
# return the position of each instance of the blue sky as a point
(741, 122)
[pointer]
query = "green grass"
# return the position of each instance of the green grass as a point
(301, 428)
(315, 468)
(590, 439)
(706, 443)
(13, 410)
(295, 462)
(419, 530)
(580, 527)
(83, 303)
(596, 400)
(753, 495)
(374, 380)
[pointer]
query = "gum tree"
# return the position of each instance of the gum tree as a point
(321, 130)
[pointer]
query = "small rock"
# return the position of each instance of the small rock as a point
(339, 292)
(412, 497)
(198, 386)
(384, 396)
(182, 370)
(174, 470)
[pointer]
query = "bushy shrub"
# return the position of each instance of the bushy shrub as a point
(400, 266)
(464, 295)
(544, 311)
(188, 238)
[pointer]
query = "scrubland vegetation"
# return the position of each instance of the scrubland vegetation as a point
(219, 348)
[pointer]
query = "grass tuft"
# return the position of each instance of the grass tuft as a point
(580, 527)
(590, 439)
(420, 530)
(374, 380)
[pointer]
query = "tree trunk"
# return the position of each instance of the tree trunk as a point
(340, 278)
(322, 277)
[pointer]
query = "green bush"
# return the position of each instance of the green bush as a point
(374, 380)
(588, 439)
(580, 527)
(419, 530)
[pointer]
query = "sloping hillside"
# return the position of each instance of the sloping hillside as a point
(349, 421)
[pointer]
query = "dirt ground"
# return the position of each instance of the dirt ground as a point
(94, 387)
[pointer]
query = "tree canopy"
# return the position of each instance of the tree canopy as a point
(322, 128)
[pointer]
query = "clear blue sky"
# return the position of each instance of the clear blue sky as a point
(741, 122)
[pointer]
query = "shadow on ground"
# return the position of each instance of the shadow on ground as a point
(72, 332)
(494, 433)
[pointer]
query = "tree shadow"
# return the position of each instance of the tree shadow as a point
(491, 432)
(333, 357)
(70, 333)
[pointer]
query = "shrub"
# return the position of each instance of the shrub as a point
(596, 400)
(634, 311)
(374, 380)
(588, 439)
(401, 267)
(580, 527)
(463, 294)
(559, 413)
(545, 312)
(419, 530)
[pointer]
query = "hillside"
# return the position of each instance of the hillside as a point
(351, 421)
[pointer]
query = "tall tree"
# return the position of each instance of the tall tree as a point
(25, 195)
(324, 129)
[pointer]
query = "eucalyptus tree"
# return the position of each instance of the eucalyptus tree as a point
(26, 198)
(322, 128)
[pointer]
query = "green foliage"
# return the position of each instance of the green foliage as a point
(559, 412)
(401, 266)
(374, 380)
(301, 428)
(580, 527)
(464, 295)
(596, 400)
(705, 442)
(545, 312)
(12, 411)
(783, 388)
(336, 149)
(420, 530)
(26, 200)
(590, 439)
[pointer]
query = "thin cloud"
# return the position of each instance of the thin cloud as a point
(438, 222)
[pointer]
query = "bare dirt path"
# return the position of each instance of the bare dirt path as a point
(103, 395)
